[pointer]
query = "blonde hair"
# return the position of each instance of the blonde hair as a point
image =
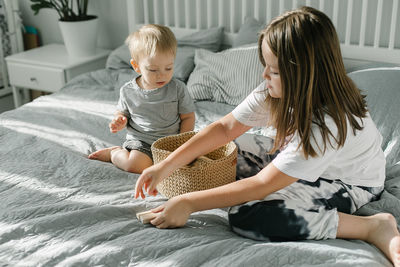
(149, 40)
(313, 80)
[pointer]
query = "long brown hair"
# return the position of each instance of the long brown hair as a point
(313, 78)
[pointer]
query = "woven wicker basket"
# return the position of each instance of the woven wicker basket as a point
(214, 169)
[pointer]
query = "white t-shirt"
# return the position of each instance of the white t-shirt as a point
(359, 162)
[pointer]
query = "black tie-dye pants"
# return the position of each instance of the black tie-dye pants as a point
(303, 210)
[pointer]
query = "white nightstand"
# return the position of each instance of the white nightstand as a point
(48, 68)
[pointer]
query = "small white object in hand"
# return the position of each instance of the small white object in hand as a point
(145, 216)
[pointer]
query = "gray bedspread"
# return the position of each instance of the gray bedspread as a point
(58, 208)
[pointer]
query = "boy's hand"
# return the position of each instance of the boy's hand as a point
(118, 123)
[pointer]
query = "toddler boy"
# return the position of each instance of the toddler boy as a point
(152, 105)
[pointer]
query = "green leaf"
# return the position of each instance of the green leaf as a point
(37, 7)
(65, 8)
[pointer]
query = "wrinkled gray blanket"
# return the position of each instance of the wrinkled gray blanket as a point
(58, 208)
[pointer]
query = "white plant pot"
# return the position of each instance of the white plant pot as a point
(80, 37)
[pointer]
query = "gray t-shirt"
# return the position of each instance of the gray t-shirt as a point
(154, 113)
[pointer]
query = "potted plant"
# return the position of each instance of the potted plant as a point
(78, 29)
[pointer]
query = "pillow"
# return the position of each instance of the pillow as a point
(184, 62)
(119, 58)
(248, 32)
(210, 39)
(354, 65)
(228, 76)
(382, 87)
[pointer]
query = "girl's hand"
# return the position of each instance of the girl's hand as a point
(174, 213)
(118, 123)
(149, 178)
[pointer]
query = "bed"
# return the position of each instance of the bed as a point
(58, 208)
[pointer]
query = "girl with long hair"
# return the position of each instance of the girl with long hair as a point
(330, 160)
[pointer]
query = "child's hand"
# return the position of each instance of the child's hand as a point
(174, 213)
(118, 123)
(149, 179)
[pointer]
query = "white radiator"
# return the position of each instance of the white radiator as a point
(368, 29)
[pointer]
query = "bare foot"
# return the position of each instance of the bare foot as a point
(385, 236)
(103, 154)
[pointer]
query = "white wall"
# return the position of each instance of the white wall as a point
(113, 28)
(113, 22)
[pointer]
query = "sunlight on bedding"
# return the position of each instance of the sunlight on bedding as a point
(46, 246)
(166, 263)
(34, 184)
(390, 146)
(59, 136)
(100, 109)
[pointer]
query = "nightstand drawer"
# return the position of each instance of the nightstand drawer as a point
(36, 77)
